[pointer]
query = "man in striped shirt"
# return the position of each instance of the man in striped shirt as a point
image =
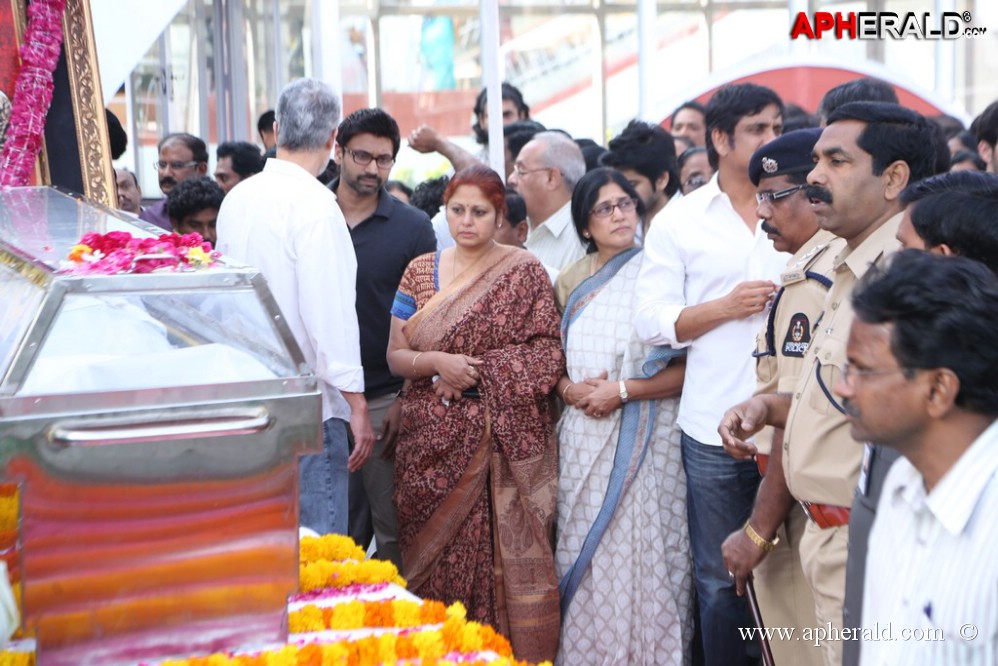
(920, 379)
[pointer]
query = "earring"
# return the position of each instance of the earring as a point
(586, 234)
(499, 226)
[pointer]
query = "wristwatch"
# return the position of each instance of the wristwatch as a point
(757, 539)
(623, 391)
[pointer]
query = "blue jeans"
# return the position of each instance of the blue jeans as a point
(720, 492)
(323, 482)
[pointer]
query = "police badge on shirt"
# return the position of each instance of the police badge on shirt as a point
(798, 336)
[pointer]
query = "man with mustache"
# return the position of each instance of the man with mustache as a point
(779, 172)
(920, 381)
(181, 156)
(868, 153)
(387, 234)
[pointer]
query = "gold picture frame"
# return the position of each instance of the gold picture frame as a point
(88, 103)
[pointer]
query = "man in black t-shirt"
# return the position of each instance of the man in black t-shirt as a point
(387, 234)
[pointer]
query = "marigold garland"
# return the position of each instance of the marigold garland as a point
(10, 658)
(323, 573)
(433, 647)
(397, 613)
(429, 634)
(332, 547)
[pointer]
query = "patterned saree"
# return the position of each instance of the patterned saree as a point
(476, 479)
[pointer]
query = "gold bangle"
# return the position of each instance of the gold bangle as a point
(768, 546)
(418, 354)
(564, 391)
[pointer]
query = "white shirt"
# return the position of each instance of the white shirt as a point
(287, 224)
(555, 242)
(698, 249)
(932, 565)
(442, 230)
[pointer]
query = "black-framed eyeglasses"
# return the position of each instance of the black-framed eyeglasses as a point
(850, 372)
(175, 166)
(363, 158)
(770, 197)
(623, 204)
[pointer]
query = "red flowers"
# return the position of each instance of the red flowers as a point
(120, 252)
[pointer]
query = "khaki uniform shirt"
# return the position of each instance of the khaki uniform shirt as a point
(820, 458)
(783, 341)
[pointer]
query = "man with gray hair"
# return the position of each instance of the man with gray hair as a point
(545, 173)
(286, 223)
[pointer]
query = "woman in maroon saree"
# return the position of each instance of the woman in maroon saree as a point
(475, 333)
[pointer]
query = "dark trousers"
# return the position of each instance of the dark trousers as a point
(720, 492)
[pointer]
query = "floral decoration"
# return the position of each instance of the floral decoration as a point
(333, 547)
(32, 91)
(324, 573)
(390, 613)
(408, 632)
(120, 252)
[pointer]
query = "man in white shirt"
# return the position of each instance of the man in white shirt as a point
(544, 174)
(287, 224)
(921, 379)
(706, 281)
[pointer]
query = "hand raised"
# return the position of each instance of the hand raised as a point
(424, 139)
(749, 298)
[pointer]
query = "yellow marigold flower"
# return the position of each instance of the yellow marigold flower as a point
(470, 638)
(332, 547)
(198, 257)
(407, 613)
(286, 656)
(306, 619)
(451, 632)
(429, 645)
(347, 615)
(77, 251)
(387, 648)
(17, 658)
(457, 610)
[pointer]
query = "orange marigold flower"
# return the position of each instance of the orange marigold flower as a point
(493, 640)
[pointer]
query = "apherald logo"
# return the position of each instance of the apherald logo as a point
(878, 25)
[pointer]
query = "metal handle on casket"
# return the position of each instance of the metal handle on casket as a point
(122, 431)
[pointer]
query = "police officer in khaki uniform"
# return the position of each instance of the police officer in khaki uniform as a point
(779, 172)
(864, 158)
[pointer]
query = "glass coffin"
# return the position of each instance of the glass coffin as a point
(151, 426)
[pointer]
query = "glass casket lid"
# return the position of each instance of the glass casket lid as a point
(66, 334)
(43, 223)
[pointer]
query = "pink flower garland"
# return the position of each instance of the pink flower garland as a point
(32, 92)
(120, 252)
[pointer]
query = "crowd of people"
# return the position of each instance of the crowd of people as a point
(611, 396)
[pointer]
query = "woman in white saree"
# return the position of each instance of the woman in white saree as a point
(623, 546)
